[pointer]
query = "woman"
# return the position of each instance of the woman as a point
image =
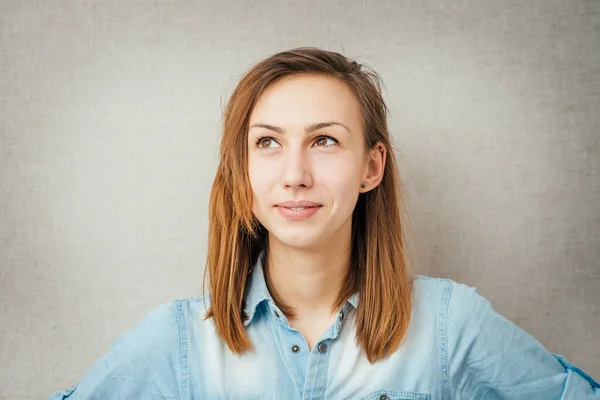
(311, 296)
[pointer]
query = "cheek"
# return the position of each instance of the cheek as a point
(348, 195)
(260, 181)
(342, 182)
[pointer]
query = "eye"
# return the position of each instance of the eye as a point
(266, 142)
(325, 141)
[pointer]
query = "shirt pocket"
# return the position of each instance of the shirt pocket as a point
(396, 395)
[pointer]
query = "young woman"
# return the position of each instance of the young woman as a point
(311, 295)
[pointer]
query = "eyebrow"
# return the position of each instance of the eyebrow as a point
(307, 129)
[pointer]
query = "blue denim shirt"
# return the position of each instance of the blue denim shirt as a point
(457, 347)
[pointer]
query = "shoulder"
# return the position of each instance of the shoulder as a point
(444, 287)
(152, 347)
(145, 361)
(464, 316)
(156, 337)
(154, 344)
(163, 323)
(454, 303)
(191, 304)
(191, 309)
(484, 354)
(438, 290)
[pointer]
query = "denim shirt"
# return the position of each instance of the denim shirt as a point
(457, 347)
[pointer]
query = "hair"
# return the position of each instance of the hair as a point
(379, 269)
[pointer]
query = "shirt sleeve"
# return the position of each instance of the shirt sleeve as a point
(142, 363)
(492, 358)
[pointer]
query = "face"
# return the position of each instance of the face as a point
(307, 160)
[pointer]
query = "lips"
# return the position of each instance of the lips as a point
(299, 204)
(298, 210)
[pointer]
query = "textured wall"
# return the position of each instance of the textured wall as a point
(109, 120)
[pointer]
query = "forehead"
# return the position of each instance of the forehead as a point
(304, 99)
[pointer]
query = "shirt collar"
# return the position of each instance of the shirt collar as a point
(354, 300)
(257, 292)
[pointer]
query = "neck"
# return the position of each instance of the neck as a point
(308, 281)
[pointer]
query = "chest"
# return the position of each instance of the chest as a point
(281, 366)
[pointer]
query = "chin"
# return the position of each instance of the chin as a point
(298, 238)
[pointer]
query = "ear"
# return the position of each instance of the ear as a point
(376, 166)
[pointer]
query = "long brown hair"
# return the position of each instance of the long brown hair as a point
(379, 269)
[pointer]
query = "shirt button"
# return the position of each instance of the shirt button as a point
(341, 316)
(384, 397)
(322, 347)
(295, 349)
(276, 314)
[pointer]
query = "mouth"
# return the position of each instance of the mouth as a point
(303, 204)
(298, 210)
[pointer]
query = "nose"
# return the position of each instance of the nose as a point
(295, 169)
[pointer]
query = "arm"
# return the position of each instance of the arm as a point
(492, 358)
(143, 362)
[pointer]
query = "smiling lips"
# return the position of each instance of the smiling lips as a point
(298, 210)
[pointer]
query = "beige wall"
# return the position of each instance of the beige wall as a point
(109, 119)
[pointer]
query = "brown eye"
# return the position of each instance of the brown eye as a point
(266, 142)
(322, 141)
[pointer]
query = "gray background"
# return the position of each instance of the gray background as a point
(109, 126)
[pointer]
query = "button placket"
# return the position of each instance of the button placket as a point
(291, 346)
(318, 366)
(322, 347)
